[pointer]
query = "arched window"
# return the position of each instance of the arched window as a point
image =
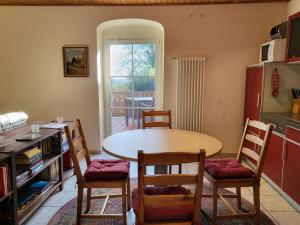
(131, 71)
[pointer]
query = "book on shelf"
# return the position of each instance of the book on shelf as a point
(64, 140)
(4, 189)
(39, 186)
(21, 176)
(31, 168)
(24, 197)
(28, 161)
(28, 154)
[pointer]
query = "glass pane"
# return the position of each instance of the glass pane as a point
(144, 58)
(120, 60)
(123, 121)
(144, 91)
(121, 89)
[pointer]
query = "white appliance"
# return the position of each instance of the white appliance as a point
(273, 51)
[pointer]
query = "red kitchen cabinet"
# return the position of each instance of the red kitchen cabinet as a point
(273, 163)
(254, 81)
(291, 178)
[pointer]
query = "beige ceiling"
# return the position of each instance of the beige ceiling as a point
(128, 2)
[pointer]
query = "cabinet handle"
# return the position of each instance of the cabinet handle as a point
(257, 102)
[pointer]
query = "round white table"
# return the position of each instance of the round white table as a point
(125, 145)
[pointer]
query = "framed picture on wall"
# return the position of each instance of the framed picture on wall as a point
(75, 60)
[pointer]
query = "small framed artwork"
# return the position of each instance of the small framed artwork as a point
(75, 61)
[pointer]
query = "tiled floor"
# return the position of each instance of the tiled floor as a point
(271, 201)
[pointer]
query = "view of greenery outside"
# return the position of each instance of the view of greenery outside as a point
(132, 64)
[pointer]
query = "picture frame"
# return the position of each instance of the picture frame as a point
(75, 59)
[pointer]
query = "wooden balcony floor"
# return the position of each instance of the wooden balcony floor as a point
(119, 124)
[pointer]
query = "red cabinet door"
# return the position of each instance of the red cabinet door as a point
(291, 178)
(273, 162)
(254, 79)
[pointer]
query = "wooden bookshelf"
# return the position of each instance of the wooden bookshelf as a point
(47, 163)
(10, 160)
(49, 141)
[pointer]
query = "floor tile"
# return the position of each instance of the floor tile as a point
(276, 203)
(60, 198)
(287, 218)
(43, 215)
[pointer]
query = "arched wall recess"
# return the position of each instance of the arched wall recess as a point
(126, 31)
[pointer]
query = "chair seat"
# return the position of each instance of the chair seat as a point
(227, 168)
(155, 212)
(107, 169)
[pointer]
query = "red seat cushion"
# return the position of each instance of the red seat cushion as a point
(227, 168)
(107, 169)
(155, 212)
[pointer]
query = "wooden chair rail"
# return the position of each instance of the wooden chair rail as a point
(169, 158)
(172, 179)
(254, 139)
(259, 125)
(156, 124)
(250, 153)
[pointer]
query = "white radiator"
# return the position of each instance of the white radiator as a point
(189, 97)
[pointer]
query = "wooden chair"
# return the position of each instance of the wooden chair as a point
(95, 177)
(153, 123)
(229, 173)
(166, 200)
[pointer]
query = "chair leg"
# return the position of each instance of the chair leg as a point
(128, 195)
(88, 200)
(256, 203)
(79, 204)
(239, 197)
(215, 205)
(124, 209)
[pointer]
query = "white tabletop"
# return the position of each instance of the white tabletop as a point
(124, 145)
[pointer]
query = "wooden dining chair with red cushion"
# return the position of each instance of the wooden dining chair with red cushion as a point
(162, 199)
(230, 173)
(151, 123)
(100, 173)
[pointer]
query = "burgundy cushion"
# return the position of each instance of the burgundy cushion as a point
(107, 169)
(227, 168)
(156, 212)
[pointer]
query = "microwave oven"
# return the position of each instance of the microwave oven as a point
(273, 51)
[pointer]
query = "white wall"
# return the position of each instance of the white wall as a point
(289, 78)
(31, 69)
(293, 7)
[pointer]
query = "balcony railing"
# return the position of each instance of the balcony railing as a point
(118, 100)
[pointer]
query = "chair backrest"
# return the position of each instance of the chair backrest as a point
(254, 143)
(154, 123)
(77, 146)
(170, 158)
